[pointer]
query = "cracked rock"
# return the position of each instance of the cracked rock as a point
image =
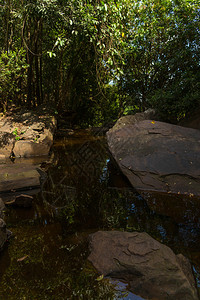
(157, 156)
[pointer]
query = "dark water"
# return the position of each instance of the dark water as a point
(84, 192)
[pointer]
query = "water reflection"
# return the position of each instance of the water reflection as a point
(84, 192)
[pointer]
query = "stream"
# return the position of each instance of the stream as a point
(84, 192)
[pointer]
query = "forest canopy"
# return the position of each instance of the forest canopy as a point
(101, 59)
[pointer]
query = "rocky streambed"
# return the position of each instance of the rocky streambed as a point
(25, 141)
(78, 196)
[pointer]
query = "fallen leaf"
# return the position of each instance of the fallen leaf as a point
(22, 258)
(153, 122)
(100, 277)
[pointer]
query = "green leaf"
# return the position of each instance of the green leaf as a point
(100, 277)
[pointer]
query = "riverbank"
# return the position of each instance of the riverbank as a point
(26, 133)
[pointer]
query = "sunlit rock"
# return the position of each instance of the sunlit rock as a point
(27, 134)
(7, 141)
(157, 156)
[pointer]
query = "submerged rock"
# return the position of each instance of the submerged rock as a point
(152, 270)
(158, 156)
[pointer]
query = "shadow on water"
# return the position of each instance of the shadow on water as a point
(84, 192)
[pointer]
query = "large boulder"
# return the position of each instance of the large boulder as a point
(125, 121)
(152, 270)
(158, 156)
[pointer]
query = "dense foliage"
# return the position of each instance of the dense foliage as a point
(101, 59)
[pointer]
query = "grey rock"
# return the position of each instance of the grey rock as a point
(157, 156)
(125, 121)
(152, 270)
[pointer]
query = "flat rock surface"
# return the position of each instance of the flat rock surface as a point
(14, 177)
(152, 270)
(158, 156)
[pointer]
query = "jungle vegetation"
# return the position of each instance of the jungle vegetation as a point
(101, 59)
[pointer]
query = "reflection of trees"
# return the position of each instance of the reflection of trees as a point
(77, 187)
(78, 170)
(83, 190)
(50, 271)
(58, 195)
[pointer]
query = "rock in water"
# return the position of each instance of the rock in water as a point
(4, 233)
(152, 270)
(158, 156)
(22, 176)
